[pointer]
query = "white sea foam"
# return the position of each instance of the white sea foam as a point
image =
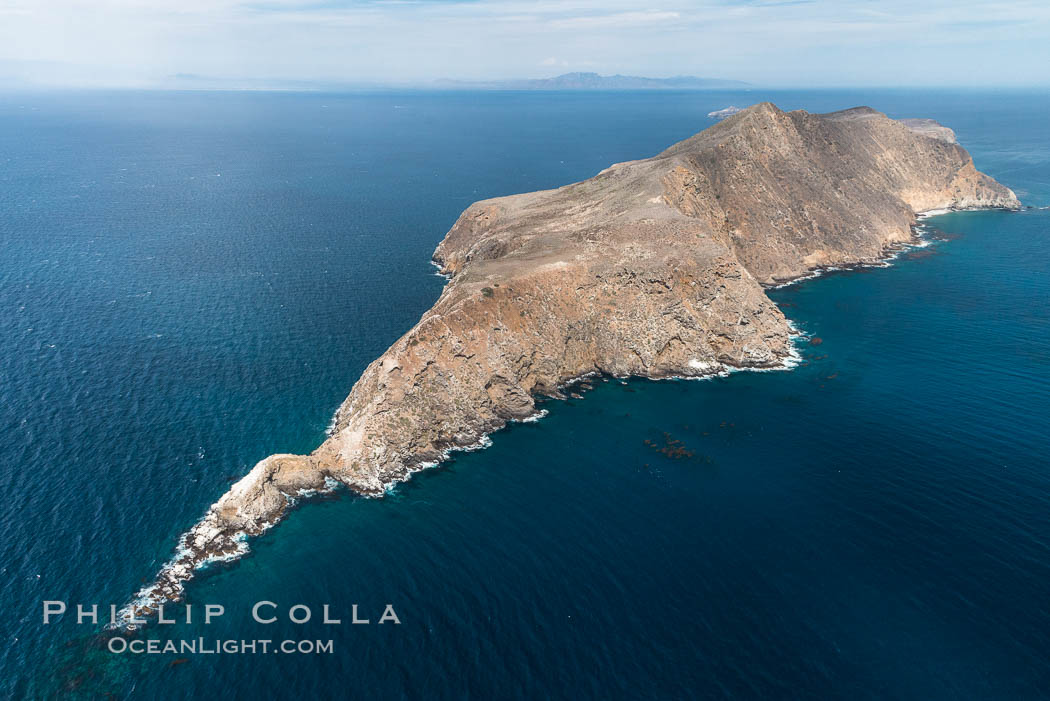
(176, 572)
(535, 417)
(438, 271)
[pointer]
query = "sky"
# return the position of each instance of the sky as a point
(260, 43)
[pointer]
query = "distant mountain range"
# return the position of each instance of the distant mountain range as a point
(567, 82)
(593, 81)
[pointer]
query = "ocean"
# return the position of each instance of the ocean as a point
(193, 281)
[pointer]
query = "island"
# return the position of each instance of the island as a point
(593, 81)
(653, 268)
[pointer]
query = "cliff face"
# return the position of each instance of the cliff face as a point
(787, 192)
(651, 268)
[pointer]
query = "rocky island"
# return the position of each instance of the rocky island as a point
(654, 268)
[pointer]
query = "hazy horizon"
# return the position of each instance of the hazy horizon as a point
(289, 44)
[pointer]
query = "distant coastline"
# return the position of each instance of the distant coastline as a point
(569, 82)
(594, 81)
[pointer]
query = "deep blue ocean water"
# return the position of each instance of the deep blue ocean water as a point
(192, 281)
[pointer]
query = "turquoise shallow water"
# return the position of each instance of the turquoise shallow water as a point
(193, 281)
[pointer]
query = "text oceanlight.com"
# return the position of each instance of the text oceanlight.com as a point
(202, 646)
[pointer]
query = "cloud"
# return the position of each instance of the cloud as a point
(620, 19)
(816, 42)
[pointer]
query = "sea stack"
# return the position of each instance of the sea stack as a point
(653, 268)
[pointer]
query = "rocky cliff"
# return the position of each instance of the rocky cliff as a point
(652, 268)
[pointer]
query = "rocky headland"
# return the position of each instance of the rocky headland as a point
(654, 268)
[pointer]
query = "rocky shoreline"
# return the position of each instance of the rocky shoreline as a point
(653, 268)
